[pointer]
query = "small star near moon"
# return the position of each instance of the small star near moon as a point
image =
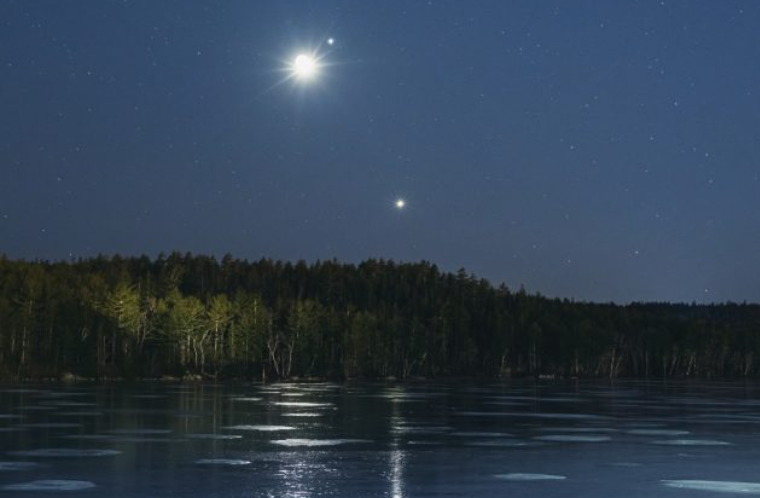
(400, 204)
(331, 41)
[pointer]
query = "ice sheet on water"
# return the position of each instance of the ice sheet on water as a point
(140, 432)
(322, 387)
(503, 443)
(81, 414)
(260, 428)
(65, 453)
(11, 466)
(403, 399)
(538, 398)
(395, 398)
(247, 399)
(215, 436)
(558, 416)
(530, 477)
(566, 438)
(722, 418)
(303, 404)
(230, 462)
(702, 402)
(399, 395)
(51, 485)
(736, 487)
(4, 416)
(142, 440)
(538, 415)
(692, 442)
(51, 425)
(657, 432)
(478, 389)
(61, 394)
(303, 414)
(577, 430)
(317, 442)
(68, 403)
(471, 413)
(748, 402)
(480, 434)
(420, 429)
(87, 437)
(512, 397)
(145, 411)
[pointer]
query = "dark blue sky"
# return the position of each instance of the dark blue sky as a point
(596, 150)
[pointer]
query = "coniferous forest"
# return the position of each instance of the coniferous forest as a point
(194, 316)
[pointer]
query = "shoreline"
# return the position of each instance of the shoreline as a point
(389, 380)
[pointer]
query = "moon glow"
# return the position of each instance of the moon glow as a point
(304, 67)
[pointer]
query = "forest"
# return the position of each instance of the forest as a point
(193, 316)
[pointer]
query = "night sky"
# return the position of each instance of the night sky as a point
(594, 150)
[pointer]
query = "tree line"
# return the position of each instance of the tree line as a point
(182, 314)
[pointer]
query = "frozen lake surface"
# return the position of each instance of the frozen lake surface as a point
(489, 439)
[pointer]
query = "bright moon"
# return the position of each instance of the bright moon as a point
(400, 203)
(304, 67)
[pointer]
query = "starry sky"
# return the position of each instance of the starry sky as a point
(593, 150)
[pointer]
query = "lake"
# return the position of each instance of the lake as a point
(479, 439)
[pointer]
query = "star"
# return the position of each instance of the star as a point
(400, 204)
(331, 41)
